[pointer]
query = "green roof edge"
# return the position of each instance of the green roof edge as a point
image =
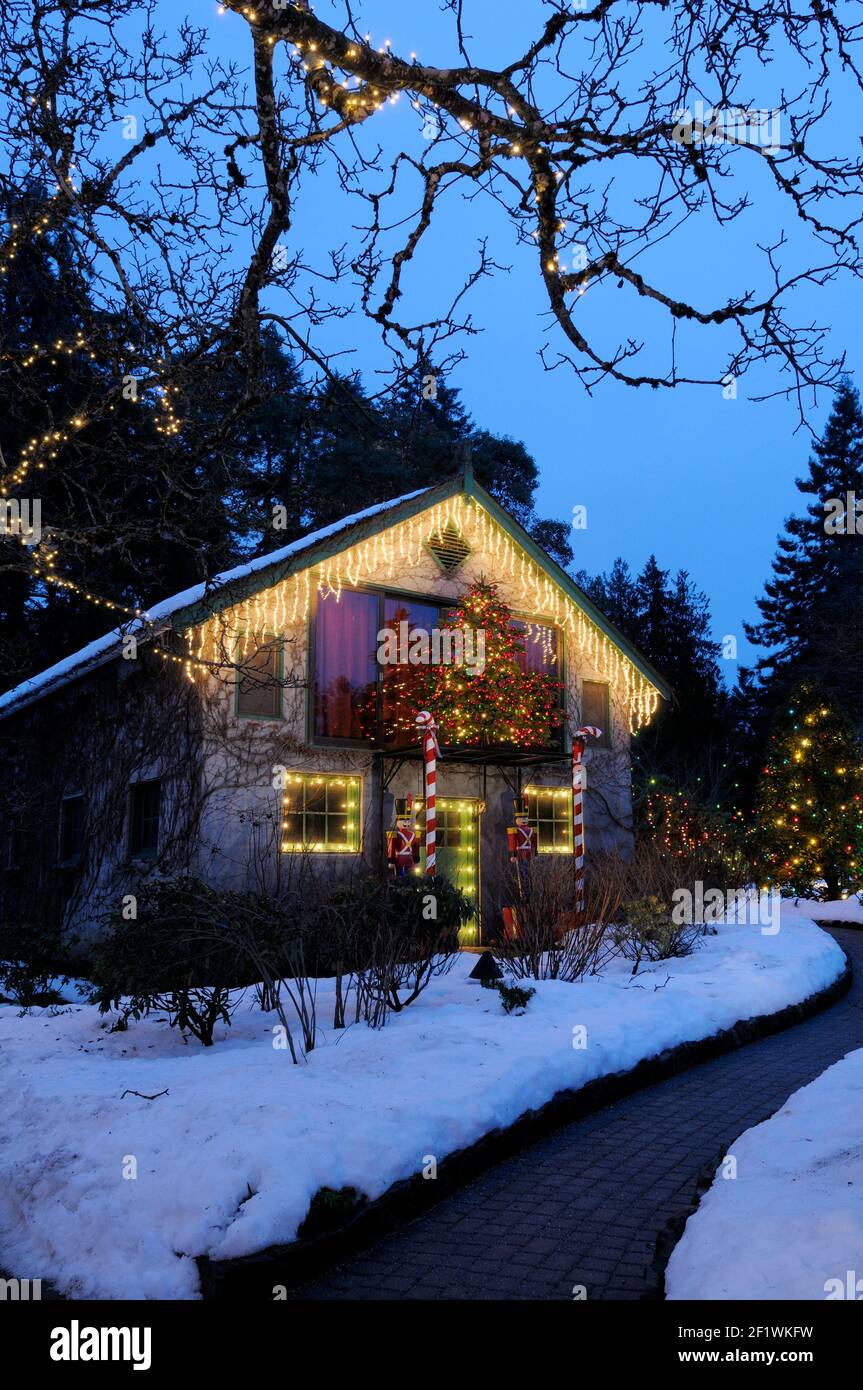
(463, 481)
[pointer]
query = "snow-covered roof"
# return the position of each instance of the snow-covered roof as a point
(104, 648)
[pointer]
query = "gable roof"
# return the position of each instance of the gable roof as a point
(201, 601)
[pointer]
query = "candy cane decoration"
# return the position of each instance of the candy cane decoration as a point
(431, 751)
(578, 744)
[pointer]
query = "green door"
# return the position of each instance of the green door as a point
(457, 852)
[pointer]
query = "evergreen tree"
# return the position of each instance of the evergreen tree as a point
(687, 747)
(812, 610)
(500, 702)
(809, 810)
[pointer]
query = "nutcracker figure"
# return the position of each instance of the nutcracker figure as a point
(403, 843)
(521, 837)
(522, 846)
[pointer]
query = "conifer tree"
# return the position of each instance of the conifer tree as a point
(502, 703)
(812, 609)
(809, 810)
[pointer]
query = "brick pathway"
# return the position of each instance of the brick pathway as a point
(586, 1205)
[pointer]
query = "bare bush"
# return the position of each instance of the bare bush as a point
(551, 940)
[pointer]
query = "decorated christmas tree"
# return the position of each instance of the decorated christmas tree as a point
(490, 698)
(809, 811)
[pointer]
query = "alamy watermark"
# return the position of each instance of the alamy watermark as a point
(844, 515)
(745, 906)
(21, 518)
(404, 645)
(732, 125)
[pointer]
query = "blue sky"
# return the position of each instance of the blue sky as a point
(703, 482)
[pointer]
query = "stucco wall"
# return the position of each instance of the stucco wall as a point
(242, 794)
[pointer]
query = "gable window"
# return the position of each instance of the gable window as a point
(71, 829)
(259, 676)
(145, 800)
(540, 647)
(549, 811)
(346, 672)
(321, 814)
(596, 710)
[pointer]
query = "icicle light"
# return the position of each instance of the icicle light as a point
(401, 547)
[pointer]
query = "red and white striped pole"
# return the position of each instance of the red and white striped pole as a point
(578, 743)
(431, 752)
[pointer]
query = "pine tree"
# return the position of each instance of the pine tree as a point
(809, 810)
(501, 703)
(686, 748)
(812, 611)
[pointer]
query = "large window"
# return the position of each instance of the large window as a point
(549, 811)
(259, 675)
(596, 709)
(321, 814)
(71, 829)
(346, 670)
(358, 698)
(145, 801)
(398, 707)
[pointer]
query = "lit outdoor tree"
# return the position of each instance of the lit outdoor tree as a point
(809, 811)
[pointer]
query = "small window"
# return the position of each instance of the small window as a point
(321, 814)
(596, 710)
(144, 805)
(259, 677)
(71, 829)
(540, 647)
(549, 811)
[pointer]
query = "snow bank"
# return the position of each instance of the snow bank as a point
(790, 1226)
(229, 1159)
(842, 910)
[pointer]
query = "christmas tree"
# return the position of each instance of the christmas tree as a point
(809, 812)
(501, 703)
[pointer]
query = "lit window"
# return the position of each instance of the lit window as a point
(540, 647)
(346, 672)
(549, 811)
(321, 814)
(596, 710)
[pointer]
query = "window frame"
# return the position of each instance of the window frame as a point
(301, 847)
(278, 642)
(143, 853)
(605, 741)
(384, 592)
(532, 792)
(69, 861)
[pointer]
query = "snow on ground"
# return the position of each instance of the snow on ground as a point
(848, 910)
(792, 1219)
(229, 1159)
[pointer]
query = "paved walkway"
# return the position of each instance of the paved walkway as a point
(586, 1205)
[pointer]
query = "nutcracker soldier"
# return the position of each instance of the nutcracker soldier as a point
(521, 837)
(522, 845)
(403, 843)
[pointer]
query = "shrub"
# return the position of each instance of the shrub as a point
(551, 939)
(514, 998)
(393, 936)
(33, 954)
(647, 932)
(329, 1210)
(179, 955)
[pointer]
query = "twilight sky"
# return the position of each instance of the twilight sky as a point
(703, 482)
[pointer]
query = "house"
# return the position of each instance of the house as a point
(246, 720)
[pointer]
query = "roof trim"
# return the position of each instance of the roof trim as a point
(195, 605)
